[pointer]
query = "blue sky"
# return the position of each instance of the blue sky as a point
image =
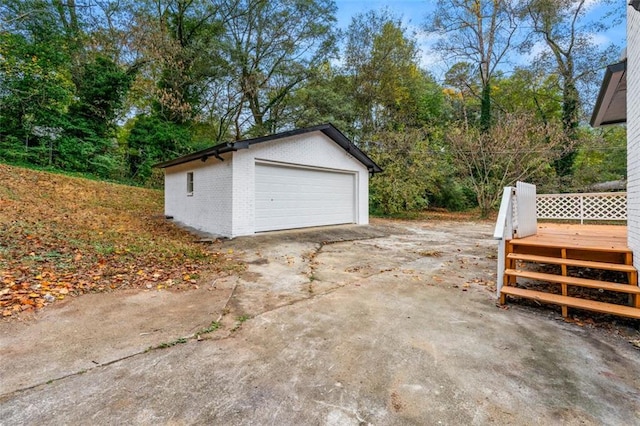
(415, 12)
(411, 10)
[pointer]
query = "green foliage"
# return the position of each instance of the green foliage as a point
(572, 53)
(528, 90)
(34, 97)
(390, 91)
(271, 49)
(601, 157)
(152, 140)
(412, 172)
(479, 34)
(212, 327)
(326, 98)
(55, 111)
(100, 94)
(452, 194)
(180, 44)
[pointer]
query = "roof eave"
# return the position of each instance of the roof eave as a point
(611, 105)
(214, 151)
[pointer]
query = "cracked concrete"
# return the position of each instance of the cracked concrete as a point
(96, 329)
(395, 324)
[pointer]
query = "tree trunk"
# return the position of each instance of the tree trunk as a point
(485, 107)
(570, 122)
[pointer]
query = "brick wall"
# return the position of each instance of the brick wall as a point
(209, 208)
(633, 132)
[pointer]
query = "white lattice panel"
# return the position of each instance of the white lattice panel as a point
(605, 208)
(557, 207)
(594, 206)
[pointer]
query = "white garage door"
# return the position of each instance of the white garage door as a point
(292, 197)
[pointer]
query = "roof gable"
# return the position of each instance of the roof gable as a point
(328, 129)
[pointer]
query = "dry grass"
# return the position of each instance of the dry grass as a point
(472, 215)
(63, 236)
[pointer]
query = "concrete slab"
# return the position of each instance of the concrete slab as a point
(401, 328)
(97, 329)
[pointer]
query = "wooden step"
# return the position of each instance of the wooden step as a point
(590, 305)
(571, 262)
(582, 282)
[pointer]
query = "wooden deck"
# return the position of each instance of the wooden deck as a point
(587, 237)
(584, 247)
(597, 243)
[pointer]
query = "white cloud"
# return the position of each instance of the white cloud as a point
(600, 40)
(590, 4)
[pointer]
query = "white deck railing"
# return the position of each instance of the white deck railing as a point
(593, 206)
(504, 231)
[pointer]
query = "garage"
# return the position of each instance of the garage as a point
(295, 197)
(296, 179)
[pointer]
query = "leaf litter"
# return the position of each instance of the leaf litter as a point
(63, 236)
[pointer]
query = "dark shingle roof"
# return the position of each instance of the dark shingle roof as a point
(328, 129)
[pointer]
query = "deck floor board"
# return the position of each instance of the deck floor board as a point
(591, 237)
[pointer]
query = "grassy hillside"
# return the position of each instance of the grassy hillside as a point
(62, 236)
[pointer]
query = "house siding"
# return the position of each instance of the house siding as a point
(311, 150)
(633, 132)
(209, 209)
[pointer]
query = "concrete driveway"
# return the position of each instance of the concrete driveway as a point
(394, 323)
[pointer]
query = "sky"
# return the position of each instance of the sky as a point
(414, 13)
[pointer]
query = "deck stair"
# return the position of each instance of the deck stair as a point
(524, 256)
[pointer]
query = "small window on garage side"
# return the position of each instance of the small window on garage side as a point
(190, 183)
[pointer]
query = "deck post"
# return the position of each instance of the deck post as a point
(563, 286)
(500, 279)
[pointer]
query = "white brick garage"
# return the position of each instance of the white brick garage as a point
(306, 177)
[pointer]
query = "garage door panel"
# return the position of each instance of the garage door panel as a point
(290, 197)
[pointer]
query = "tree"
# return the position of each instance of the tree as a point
(516, 147)
(527, 90)
(602, 157)
(178, 41)
(270, 48)
(88, 141)
(389, 88)
(169, 140)
(563, 27)
(413, 171)
(397, 110)
(479, 33)
(35, 83)
(62, 92)
(324, 98)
